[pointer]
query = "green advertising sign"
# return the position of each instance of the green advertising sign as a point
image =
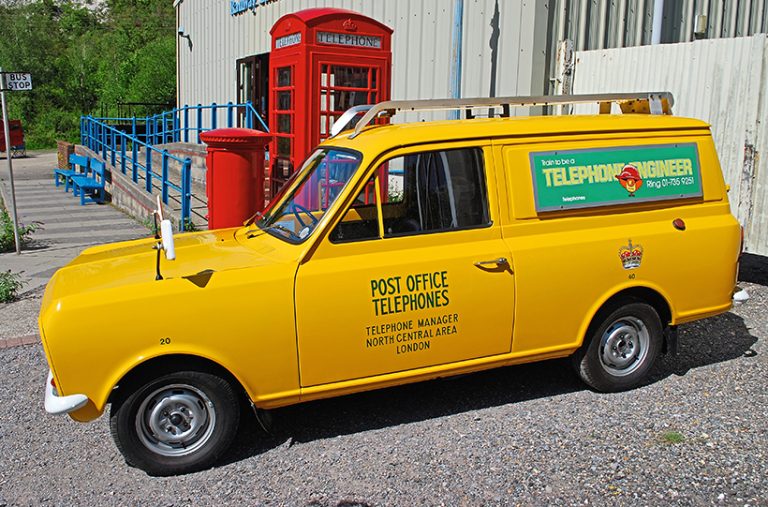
(604, 176)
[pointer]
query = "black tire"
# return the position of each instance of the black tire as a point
(175, 424)
(620, 348)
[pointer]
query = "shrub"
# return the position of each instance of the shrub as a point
(7, 243)
(9, 284)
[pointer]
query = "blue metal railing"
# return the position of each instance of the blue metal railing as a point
(185, 124)
(122, 151)
(119, 141)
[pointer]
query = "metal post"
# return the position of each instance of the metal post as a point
(8, 157)
(186, 123)
(114, 146)
(165, 177)
(148, 168)
(176, 132)
(214, 109)
(229, 114)
(199, 121)
(104, 141)
(122, 152)
(186, 193)
(135, 160)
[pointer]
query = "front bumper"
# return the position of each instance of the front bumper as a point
(57, 405)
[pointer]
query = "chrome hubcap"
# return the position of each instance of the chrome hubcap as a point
(175, 420)
(624, 346)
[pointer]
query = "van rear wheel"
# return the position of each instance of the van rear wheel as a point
(177, 423)
(622, 349)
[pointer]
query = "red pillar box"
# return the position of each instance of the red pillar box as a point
(235, 175)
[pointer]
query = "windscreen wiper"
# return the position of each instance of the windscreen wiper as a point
(283, 229)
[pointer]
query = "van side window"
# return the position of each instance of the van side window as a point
(434, 191)
(361, 219)
(419, 193)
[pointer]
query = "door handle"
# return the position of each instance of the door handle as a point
(501, 261)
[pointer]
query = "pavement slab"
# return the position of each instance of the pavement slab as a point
(65, 227)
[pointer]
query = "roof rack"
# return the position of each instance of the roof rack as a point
(642, 103)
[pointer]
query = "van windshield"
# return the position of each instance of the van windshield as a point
(321, 180)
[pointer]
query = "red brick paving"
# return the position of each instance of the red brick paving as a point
(19, 341)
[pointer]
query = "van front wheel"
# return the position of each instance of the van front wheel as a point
(177, 423)
(621, 349)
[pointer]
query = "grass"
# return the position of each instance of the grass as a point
(148, 222)
(672, 437)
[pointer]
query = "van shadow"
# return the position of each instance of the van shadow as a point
(753, 268)
(703, 343)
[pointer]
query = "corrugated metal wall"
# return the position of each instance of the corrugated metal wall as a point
(606, 24)
(498, 41)
(723, 82)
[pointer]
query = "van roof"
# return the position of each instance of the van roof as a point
(402, 134)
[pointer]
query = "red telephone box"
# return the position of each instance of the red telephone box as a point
(323, 62)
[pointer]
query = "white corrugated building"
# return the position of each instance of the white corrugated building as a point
(481, 48)
(445, 48)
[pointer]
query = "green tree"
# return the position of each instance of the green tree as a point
(84, 59)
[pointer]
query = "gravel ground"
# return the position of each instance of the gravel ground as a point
(20, 317)
(694, 435)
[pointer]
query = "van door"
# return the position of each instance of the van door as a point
(413, 274)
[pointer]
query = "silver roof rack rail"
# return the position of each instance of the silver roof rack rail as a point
(644, 103)
(345, 119)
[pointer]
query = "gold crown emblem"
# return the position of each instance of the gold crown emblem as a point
(631, 255)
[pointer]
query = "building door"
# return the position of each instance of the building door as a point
(252, 86)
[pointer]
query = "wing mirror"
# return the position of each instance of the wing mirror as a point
(164, 235)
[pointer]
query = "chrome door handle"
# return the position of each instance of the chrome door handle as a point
(501, 261)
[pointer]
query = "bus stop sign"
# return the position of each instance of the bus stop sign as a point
(15, 81)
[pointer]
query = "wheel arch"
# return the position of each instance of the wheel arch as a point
(162, 365)
(643, 294)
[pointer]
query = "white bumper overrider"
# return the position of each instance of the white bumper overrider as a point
(741, 296)
(57, 405)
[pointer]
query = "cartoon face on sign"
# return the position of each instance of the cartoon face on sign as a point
(630, 179)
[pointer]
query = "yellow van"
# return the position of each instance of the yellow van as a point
(399, 253)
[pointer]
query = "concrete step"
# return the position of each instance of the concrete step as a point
(195, 152)
(133, 197)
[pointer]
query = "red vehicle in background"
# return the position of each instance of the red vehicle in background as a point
(18, 149)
